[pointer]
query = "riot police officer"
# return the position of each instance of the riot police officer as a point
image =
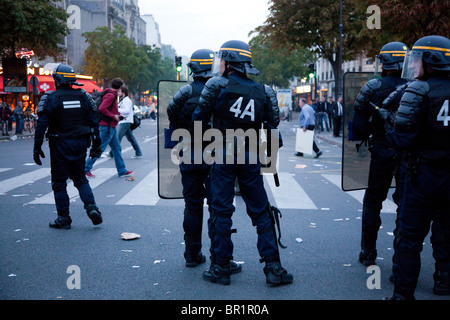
(71, 118)
(421, 129)
(237, 102)
(194, 176)
(384, 158)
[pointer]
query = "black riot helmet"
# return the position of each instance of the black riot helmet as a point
(62, 74)
(432, 50)
(201, 62)
(392, 55)
(238, 56)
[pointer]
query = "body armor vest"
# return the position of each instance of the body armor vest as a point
(241, 107)
(434, 141)
(388, 85)
(185, 118)
(69, 114)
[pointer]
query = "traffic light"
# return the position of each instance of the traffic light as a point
(311, 71)
(178, 65)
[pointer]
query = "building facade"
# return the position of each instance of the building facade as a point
(86, 16)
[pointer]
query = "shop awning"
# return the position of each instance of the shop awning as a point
(46, 83)
(89, 85)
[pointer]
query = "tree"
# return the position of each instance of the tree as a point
(314, 24)
(408, 21)
(277, 67)
(112, 54)
(36, 25)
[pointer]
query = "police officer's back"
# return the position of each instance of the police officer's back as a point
(237, 102)
(422, 130)
(195, 176)
(70, 116)
(367, 123)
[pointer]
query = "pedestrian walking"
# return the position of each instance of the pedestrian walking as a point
(237, 102)
(307, 122)
(126, 110)
(71, 118)
(109, 118)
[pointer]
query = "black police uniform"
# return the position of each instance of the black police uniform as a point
(194, 177)
(422, 129)
(384, 158)
(426, 193)
(70, 116)
(237, 102)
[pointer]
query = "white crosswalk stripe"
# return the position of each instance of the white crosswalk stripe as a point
(101, 175)
(145, 193)
(388, 205)
(289, 195)
(23, 179)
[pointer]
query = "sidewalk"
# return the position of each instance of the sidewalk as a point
(12, 136)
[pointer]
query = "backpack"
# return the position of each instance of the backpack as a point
(136, 122)
(98, 101)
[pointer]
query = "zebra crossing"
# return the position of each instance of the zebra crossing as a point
(289, 195)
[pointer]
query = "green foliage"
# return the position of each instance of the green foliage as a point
(113, 54)
(279, 66)
(36, 25)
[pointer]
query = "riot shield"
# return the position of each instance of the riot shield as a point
(169, 177)
(355, 153)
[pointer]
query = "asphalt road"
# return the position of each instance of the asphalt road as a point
(320, 226)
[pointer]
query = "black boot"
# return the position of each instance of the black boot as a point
(218, 274)
(193, 259)
(276, 274)
(235, 267)
(441, 283)
(61, 223)
(94, 214)
(368, 253)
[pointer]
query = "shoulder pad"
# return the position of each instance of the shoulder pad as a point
(43, 102)
(418, 87)
(178, 100)
(408, 111)
(362, 103)
(90, 99)
(216, 82)
(270, 94)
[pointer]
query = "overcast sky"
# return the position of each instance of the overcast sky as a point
(189, 25)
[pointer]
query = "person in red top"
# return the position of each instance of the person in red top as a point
(109, 117)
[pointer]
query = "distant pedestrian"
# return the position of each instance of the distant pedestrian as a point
(307, 122)
(5, 114)
(338, 112)
(18, 115)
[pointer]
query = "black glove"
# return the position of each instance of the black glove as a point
(388, 117)
(95, 152)
(38, 153)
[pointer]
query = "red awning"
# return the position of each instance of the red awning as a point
(89, 85)
(46, 83)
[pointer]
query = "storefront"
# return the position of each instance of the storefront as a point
(45, 84)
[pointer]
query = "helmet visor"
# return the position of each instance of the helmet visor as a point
(215, 68)
(412, 65)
